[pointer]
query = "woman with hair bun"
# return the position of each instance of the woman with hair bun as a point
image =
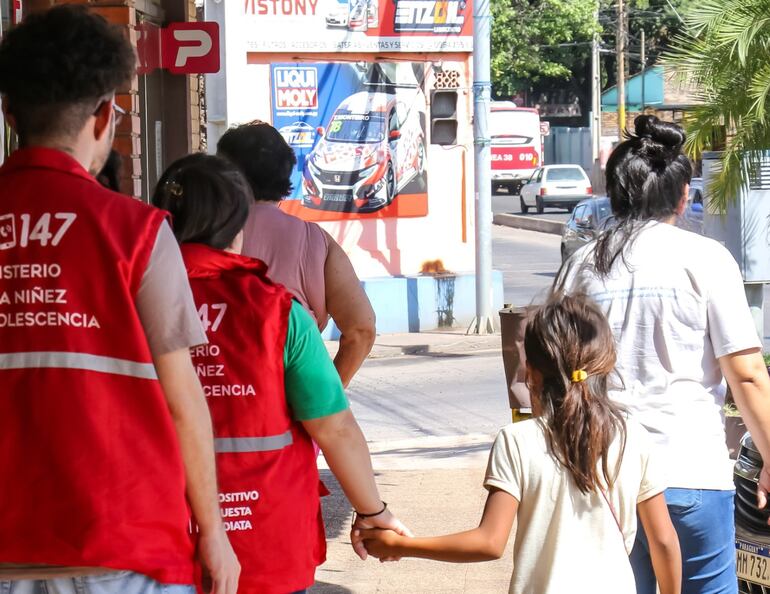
(676, 306)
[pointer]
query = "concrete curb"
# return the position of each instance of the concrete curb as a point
(528, 223)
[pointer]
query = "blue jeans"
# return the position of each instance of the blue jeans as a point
(114, 582)
(705, 524)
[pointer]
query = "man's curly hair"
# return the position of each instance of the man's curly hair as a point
(263, 156)
(57, 64)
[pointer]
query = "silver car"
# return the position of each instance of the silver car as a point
(561, 186)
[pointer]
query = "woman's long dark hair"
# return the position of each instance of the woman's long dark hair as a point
(568, 334)
(646, 178)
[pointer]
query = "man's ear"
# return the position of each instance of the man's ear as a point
(102, 120)
(7, 115)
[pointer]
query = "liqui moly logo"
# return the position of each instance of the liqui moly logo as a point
(296, 89)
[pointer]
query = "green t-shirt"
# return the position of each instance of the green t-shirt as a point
(313, 386)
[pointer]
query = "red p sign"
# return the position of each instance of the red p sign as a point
(17, 12)
(190, 48)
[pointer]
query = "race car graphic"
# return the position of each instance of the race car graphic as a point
(298, 135)
(358, 17)
(373, 147)
(338, 16)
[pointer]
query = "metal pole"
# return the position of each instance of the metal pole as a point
(621, 54)
(644, 72)
(483, 323)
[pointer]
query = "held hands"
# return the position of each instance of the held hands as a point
(385, 521)
(221, 569)
(381, 544)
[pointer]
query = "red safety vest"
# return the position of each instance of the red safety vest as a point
(268, 479)
(90, 465)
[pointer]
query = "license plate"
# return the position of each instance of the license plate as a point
(332, 197)
(752, 562)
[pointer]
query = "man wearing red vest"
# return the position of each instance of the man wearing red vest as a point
(103, 424)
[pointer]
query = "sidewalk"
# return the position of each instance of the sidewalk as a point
(430, 502)
(435, 343)
(432, 483)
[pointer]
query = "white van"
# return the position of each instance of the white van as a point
(517, 148)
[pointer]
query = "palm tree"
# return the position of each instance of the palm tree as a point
(724, 55)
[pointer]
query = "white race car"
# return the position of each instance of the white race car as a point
(372, 148)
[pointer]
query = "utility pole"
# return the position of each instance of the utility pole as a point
(597, 180)
(482, 90)
(596, 100)
(621, 55)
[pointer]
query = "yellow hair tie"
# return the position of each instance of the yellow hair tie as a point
(579, 375)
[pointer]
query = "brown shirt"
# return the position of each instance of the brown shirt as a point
(294, 251)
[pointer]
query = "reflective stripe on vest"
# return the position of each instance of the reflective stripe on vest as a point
(240, 445)
(85, 361)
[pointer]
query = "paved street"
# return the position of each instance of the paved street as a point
(502, 203)
(528, 261)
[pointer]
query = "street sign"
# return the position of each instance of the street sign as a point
(190, 48)
(181, 48)
(545, 128)
(17, 12)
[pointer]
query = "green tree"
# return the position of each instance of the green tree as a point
(725, 55)
(545, 45)
(527, 38)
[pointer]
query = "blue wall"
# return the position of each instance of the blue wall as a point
(422, 303)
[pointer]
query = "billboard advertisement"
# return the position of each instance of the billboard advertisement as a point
(359, 133)
(358, 25)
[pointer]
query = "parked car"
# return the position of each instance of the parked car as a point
(561, 186)
(692, 218)
(372, 149)
(588, 220)
(752, 534)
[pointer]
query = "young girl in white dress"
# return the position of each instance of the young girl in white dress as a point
(576, 476)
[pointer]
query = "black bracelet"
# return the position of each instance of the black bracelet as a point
(364, 516)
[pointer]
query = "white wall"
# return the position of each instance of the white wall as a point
(377, 247)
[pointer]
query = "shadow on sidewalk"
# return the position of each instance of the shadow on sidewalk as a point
(452, 452)
(337, 517)
(335, 507)
(326, 588)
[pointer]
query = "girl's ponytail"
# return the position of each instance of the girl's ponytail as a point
(570, 344)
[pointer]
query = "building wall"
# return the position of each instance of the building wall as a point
(610, 119)
(128, 140)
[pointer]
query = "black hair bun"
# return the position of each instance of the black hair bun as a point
(664, 133)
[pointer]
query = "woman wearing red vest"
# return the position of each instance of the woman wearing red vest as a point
(270, 386)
